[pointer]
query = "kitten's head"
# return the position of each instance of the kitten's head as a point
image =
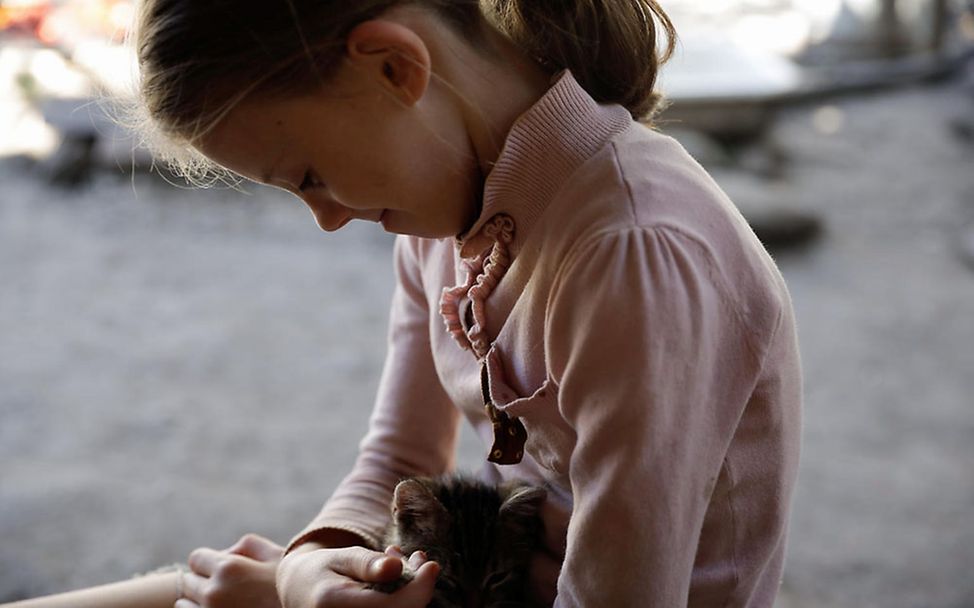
(482, 536)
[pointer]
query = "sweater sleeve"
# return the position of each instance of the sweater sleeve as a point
(653, 369)
(414, 425)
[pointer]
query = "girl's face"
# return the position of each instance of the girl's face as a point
(357, 154)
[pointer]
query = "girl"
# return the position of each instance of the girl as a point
(568, 280)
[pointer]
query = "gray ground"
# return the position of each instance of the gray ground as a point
(179, 367)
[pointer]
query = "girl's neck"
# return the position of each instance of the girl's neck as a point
(490, 89)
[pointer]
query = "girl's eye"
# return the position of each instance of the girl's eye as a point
(309, 181)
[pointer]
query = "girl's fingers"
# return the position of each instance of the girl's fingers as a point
(367, 566)
(419, 591)
(192, 588)
(417, 559)
(355, 595)
(204, 560)
(257, 547)
(427, 574)
(416, 594)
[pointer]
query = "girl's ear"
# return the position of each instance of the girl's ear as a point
(394, 54)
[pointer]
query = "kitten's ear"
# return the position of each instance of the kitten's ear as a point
(414, 507)
(523, 500)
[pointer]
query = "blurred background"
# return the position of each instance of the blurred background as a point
(181, 366)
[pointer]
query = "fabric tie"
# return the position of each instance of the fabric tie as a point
(485, 268)
(509, 434)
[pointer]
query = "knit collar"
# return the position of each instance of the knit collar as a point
(544, 147)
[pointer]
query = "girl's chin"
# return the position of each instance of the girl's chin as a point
(398, 223)
(388, 222)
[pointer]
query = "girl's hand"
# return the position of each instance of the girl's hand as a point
(316, 577)
(241, 576)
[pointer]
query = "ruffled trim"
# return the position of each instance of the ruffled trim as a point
(450, 300)
(484, 272)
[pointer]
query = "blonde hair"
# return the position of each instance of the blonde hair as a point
(198, 59)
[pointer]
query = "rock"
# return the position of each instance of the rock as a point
(785, 228)
(963, 129)
(766, 158)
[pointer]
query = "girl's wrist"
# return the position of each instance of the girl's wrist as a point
(329, 538)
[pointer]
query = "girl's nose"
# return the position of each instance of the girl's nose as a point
(329, 214)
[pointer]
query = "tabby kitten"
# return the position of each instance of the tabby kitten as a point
(482, 536)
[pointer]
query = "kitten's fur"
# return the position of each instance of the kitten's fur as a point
(482, 537)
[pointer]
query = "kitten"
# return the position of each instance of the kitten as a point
(482, 537)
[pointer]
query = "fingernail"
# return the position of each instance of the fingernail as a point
(378, 565)
(417, 559)
(433, 566)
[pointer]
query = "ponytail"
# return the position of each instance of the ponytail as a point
(610, 46)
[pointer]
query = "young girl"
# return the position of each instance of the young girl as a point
(569, 281)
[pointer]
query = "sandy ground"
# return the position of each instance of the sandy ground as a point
(179, 367)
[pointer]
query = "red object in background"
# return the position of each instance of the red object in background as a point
(66, 23)
(24, 16)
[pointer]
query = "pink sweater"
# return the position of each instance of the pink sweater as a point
(631, 321)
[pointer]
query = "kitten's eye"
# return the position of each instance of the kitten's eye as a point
(445, 584)
(497, 579)
(449, 589)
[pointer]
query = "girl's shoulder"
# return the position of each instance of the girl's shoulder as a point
(645, 180)
(645, 185)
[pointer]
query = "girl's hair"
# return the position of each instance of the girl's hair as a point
(199, 58)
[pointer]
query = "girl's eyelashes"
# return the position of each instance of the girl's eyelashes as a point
(309, 181)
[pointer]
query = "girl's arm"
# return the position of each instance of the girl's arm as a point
(654, 367)
(413, 431)
(414, 425)
(150, 591)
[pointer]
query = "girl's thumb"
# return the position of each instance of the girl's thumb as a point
(419, 592)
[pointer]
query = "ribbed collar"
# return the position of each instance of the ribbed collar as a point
(544, 147)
